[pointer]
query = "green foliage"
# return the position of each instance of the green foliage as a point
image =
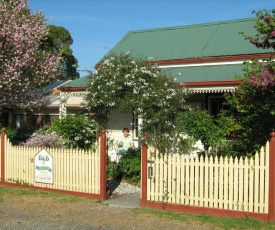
(78, 131)
(252, 106)
(11, 133)
(123, 82)
(202, 126)
(128, 168)
(131, 165)
(113, 170)
(19, 181)
(253, 110)
(59, 41)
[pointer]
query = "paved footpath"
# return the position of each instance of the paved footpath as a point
(126, 201)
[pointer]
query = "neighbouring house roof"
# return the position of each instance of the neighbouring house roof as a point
(51, 87)
(51, 92)
(217, 39)
(77, 84)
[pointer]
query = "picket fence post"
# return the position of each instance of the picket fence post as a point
(271, 198)
(144, 156)
(3, 134)
(103, 158)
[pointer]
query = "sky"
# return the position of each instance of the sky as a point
(96, 26)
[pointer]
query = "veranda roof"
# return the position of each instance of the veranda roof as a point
(208, 78)
(206, 73)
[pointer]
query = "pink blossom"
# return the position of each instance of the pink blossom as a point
(25, 65)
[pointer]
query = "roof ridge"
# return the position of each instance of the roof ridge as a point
(192, 25)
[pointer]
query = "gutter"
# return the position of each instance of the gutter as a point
(209, 83)
(77, 88)
(207, 59)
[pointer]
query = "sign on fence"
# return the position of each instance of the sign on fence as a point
(43, 165)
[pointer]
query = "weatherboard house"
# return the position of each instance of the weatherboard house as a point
(203, 57)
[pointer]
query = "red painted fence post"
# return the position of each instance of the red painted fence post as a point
(103, 150)
(3, 155)
(271, 198)
(144, 172)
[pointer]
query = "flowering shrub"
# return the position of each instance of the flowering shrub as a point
(252, 106)
(78, 131)
(265, 25)
(47, 140)
(265, 38)
(24, 65)
(123, 82)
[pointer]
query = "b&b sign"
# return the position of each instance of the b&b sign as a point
(43, 167)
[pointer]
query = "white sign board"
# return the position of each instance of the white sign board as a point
(43, 167)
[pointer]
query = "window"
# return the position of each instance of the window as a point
(40, 121)
(4, 119)
(215, 104)
(20, 121)
(136, 126)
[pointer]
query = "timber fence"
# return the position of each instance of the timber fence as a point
(73, 171)
(217, 186)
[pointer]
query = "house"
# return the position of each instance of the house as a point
(25, 122)
(203, 57)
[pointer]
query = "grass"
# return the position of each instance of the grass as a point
(216, 222)
(43, 194)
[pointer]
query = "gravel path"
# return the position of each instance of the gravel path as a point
(120, 188)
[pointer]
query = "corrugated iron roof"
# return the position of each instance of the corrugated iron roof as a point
(205, 73)
(79, 82)
(52, 86)
(193, 41)
(187, 74)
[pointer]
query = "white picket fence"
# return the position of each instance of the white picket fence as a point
(212, 182)
(73, 170)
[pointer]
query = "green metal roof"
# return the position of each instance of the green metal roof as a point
(193, 41)
(206, 73)
(188, 74)
(79, 82)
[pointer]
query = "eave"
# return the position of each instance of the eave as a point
(68, 89)
(212, 59)
(208, 59)
(209, 83)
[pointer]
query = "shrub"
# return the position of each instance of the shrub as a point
(11, 133)
(113, 170)
(131, 165)
(48, 140)
(78, 131)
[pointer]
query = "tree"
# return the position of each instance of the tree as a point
(123, 82)
(59, 41)
(253, 104)
(24, 66)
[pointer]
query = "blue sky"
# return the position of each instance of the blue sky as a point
(97, 25)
